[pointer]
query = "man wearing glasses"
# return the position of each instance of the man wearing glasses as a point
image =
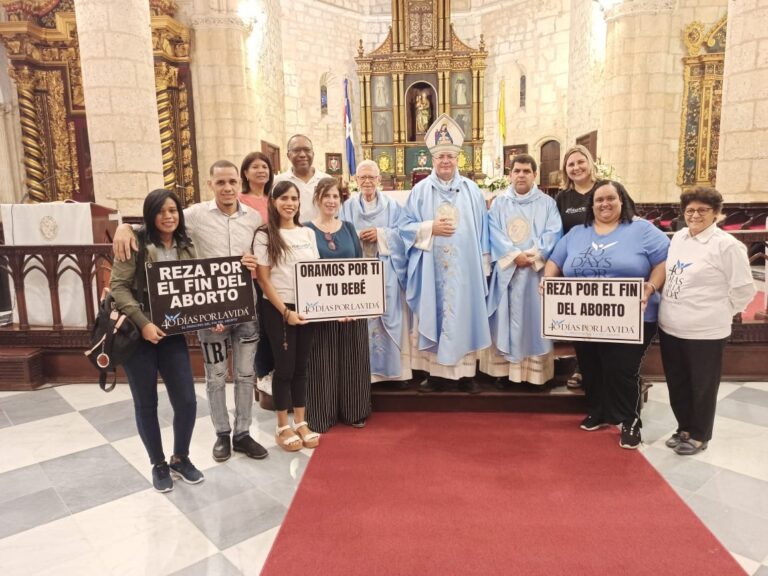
(445, 230)
(302, 174)
(375, 217)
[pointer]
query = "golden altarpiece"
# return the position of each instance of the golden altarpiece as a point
(702, 104)
(421, 70)
(40, 37)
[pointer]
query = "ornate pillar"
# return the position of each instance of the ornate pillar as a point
(120, 96)
(640, 118)
(26, 82)
(743, 156)
(165, 78)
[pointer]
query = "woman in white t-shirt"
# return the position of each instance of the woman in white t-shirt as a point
(278, 245)
(708, 281)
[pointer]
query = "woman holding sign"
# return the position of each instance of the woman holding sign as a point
(278, 246)
(340, 370)
(708, 281)
(163, 238)
(613, 244)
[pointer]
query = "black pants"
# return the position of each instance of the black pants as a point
(289, 382)
(263, 362)
(170, 358)
(692, 368)
(611, 376)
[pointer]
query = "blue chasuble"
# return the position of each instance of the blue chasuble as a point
(446, 284)
(519, 223)
(385, 332)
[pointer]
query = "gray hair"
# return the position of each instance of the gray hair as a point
(368, 163)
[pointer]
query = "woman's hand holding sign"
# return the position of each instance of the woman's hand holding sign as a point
(152, 333)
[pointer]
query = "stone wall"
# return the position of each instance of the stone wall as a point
(742, 171)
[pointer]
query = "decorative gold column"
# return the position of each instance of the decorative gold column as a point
(165, 78)
(34, 167)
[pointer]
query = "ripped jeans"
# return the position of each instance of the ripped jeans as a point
(242, 339)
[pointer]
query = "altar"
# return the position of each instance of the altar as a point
(421, 70)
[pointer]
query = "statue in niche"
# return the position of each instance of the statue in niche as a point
(460, 92)
(423, 112)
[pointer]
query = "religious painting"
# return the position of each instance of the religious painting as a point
(464, 120)
(512, 151)
(461, 88)
(382, 127)
(381, 91)
(333, 165)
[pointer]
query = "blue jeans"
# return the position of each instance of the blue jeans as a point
(242, 340)
(170, 358)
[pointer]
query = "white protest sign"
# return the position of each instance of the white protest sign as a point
(597, 310)
(340, 288)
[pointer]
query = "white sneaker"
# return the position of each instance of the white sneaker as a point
(265, 384)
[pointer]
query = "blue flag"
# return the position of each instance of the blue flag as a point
(348, 129)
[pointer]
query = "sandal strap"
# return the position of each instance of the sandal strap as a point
(311, 436)
(300, 424)
(280, 429)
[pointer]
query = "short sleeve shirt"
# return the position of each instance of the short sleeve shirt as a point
(301, 247)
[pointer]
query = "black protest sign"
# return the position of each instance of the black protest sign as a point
(194, 294)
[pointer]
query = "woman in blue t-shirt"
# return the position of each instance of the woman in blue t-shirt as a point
(614, 244)
(339, 385)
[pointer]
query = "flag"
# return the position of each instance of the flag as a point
(348, 129)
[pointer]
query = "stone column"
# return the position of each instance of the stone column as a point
(120, 98)
(641, 102)
(742, 164)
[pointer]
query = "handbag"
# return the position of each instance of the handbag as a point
(113, 341)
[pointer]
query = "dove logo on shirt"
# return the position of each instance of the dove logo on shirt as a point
(594, 261)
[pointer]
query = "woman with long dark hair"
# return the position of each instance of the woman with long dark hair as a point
(163, 238)
(278, 245)
(258, 177)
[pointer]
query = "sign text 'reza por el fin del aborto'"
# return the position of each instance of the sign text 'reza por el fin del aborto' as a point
(194, 294)
(598, 310)
(340, 288)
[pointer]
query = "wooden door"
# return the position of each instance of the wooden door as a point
(549, 164)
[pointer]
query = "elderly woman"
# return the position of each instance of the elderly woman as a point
(708, 281)
(612, 244)
(579, 174)
(339, 385)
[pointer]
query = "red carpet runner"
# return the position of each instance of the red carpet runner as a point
(465, 494)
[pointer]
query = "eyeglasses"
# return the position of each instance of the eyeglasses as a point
(300, 150)
(446, 157)
(329, 238)
(699, 211)
(367, 178)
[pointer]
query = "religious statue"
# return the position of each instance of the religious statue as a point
(460, 92)
(423, 110)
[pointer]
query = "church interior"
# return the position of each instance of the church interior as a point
(103, 101)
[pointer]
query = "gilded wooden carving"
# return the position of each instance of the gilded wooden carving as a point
(702, 104)
(421, 51)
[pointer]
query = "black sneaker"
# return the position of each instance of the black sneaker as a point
(430, 384)
(249, 447)
(161, 477)
(590, 423)
(630, 434)
(182, 468)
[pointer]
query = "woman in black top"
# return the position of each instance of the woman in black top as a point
(580, 176)
(339, 384)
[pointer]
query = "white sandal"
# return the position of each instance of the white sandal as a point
(310, 439)
(291, 443)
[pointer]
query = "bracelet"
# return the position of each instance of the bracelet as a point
(652, 286)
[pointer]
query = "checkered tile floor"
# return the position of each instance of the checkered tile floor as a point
(76, 496)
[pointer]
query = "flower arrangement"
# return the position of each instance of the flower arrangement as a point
(494, 184)
(606, 171)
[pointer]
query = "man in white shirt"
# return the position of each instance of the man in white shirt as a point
(221, 227)
(302, 173)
